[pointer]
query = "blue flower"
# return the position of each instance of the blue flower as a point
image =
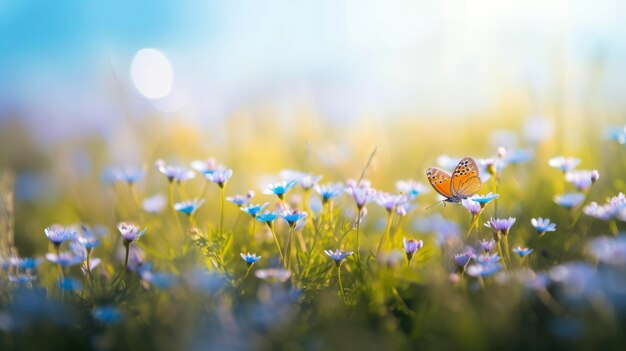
(250, 259)
(254, 210)
(543, 225)
(128, 175)
(389, 201)
(293, 217)
(70, 284)
(617, 134)
(188, 207)
(484, 199)
(206, 167)
(361, 195)
(26, 263)
(338, 255)
(57, 234)
(220, 177)
(565, 164)
(461, 260)
(487, 259)
(88, 239)
(569, 200)
(107, 314)
(522, 251)
(280, 189)
(329, 191)
(22, 279)
(518, 156)
(266, 217)
(479, 270)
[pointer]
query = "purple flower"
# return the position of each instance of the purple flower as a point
(241, 200)
(173, 173)
(522, 252)
(280, 189)
(569, 200)
(250, 259)
(220, 177)
(487, 245)
(500, 225)
(361, 195)
(565, 164)
(582, 179)
(462, 259)
(543, 225)
(338, 255)
(389, 201)
(64, 259)
(472, 206)
(130, 232)
(306, 180)
(609, 210)
(154, 204)
(188, 207)
(411, 247)
(609, 250)
(58, 234)
(487, 259)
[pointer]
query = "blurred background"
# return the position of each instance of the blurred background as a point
(314, 85)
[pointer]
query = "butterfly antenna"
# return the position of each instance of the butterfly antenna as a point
(437, 203)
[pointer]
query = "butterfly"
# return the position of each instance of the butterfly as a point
(464, 182)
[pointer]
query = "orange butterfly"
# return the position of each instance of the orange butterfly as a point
(463, 183)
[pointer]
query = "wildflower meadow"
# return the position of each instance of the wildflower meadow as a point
(326, 176)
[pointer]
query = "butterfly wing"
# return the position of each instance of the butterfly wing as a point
(465, 180)
(440, 181)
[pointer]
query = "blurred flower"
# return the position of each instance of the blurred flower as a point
(522, 252)
(582, 179)
(64, 259)
(88, 239)
(389, 201)
(411, 247)
(280, 189)
(22, 279)
(154, 204)
(329, 191)
(565, 164)
(617, 134)
(107, 314)
(70, 284)
(206, 167)
(130, 232)
(273, 274)
(241, 200)
(609, 210)
(569, 200)
(518, 156)
(93, 263)
(158, 279)
(361, 195)
(250, 259)
(411, 188)
(338, 255)
(174, 173)
(127, 175)
(253, 210)
(472, 206)
(483, 270)
(306, 180)
(26, 263)
(188, 207)
(447, 231)
(403, 208)
(220, 177)
(487, 245)
(58, 234)
(537, 129)
(609, 250)
(486, 259)
(266, 217)
(543, 225)
(293, 217)
(462, 259)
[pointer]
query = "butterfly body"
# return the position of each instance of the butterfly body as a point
(463, 183)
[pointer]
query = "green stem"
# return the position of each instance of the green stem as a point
(341, 291)
(171, 194)
(222, 209)
(280, 252)
(358, 229)
(613, 227)
(288, 247)
(386, 233)
(501, 256)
